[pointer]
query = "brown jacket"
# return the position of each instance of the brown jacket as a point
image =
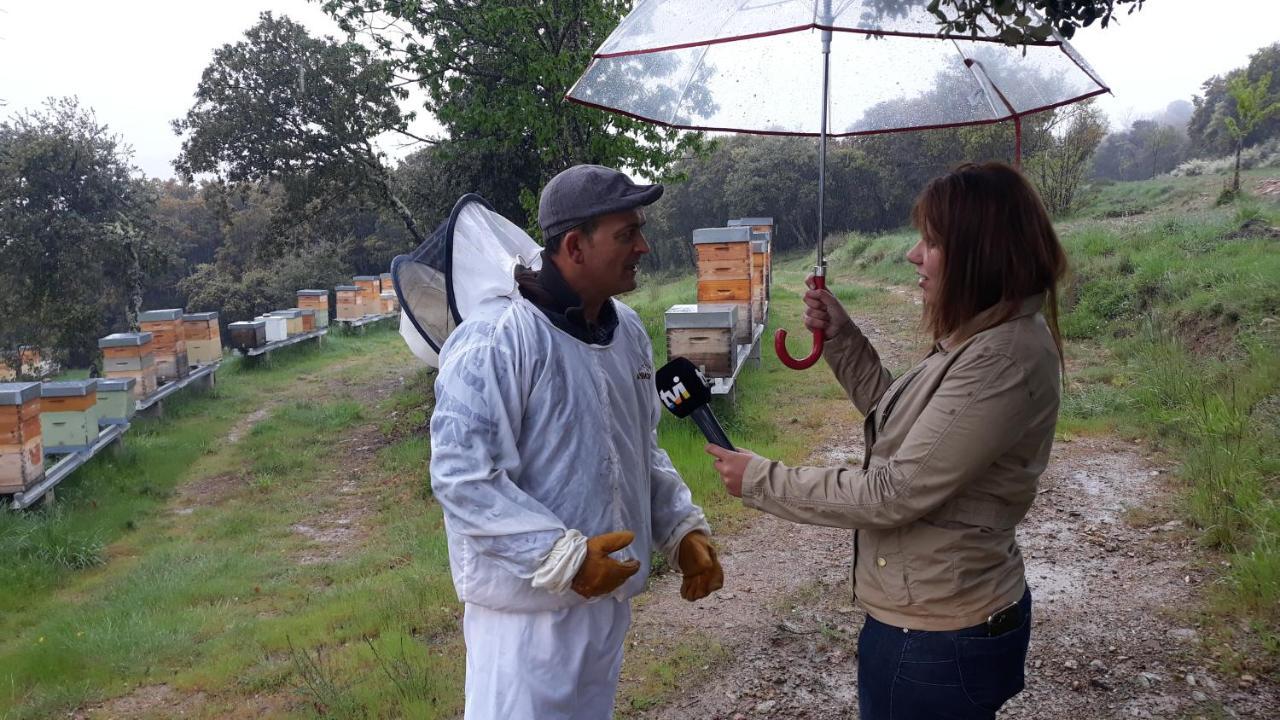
(954, 451)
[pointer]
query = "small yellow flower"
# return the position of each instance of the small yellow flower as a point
(80, 634)
(41, 638)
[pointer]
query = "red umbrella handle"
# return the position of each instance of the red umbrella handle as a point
(780, 340)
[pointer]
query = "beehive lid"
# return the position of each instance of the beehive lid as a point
(116, 384)
(365, 278)
(68, 388)
(18, 393)
(759, 246)
(721, 235)
(388, 294)
(312, 293)
(196, 317)
(308, 311)
(291, 313)
(247, 323)
(125, 340)
(385, 276)
(705, 315)
(751, 221)
(160, 315)
(347, 288)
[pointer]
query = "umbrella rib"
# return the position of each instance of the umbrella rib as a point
(969, 66)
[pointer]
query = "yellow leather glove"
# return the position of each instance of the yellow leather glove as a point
(601, 574)
(701, 568)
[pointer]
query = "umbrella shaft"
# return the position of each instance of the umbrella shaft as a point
(822, 140)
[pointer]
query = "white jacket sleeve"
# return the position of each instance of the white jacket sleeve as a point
(674, 514)
(474, 451)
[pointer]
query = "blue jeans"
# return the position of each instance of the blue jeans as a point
(958, 674)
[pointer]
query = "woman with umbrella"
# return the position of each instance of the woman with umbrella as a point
(954, 450)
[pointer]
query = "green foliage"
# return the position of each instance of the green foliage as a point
(1253, 105)
(496, 74)
(74, 240)
(283, 106)
(1028, 21)
(1148, 148)
(1207, 128)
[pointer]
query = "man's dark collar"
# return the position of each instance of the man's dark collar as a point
(550, 292)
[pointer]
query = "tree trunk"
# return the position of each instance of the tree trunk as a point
(1235, 184)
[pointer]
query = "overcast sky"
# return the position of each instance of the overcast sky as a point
(137, 62)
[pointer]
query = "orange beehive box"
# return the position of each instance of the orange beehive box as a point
(21, 443)
(349, 305)
(370, 290)
(724, 291)
(169, 342)
(317, 300)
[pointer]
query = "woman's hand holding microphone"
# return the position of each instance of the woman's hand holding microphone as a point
(823, 312)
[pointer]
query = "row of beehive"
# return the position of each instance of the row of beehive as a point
(55, 418)
(368, 295)
(280, 325)
(169, 344)
(735, 276)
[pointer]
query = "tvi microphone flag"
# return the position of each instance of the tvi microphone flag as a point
(684, 392)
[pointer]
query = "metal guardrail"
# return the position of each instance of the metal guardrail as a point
(67, 465)
(201, 373)
(353, 323)
(276, 345)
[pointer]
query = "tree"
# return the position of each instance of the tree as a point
(75, 244)
(1025, 21)
(1252, 107)
(1148, 148)
(496, 74)
(284, 107)
(1059, 170)
(1206, 129)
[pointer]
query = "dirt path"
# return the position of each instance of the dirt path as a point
(1112, 576)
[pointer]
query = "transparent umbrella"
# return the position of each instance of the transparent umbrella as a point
(826, 68)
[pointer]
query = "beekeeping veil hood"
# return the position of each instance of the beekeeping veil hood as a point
(470, 257)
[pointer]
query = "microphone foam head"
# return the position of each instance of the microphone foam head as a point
(681, 387)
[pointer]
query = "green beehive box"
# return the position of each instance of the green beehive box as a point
(69, 415)
(116, 403)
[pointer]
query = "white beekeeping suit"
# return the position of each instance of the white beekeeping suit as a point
(537, 440)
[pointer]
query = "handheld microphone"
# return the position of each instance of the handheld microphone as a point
(684, 391)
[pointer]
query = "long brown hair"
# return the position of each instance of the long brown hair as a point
(998, 248)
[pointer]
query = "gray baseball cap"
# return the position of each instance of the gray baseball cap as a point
(585, 191)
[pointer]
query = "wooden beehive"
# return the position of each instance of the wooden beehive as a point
(317, 300)
(759, 288)
(116, 403)
(389, 303)
(308, 319)
(247, 334)
(762, 228)
(370, 289)
(349, 306)
(68, 415)
(203, 335)
(705, 335)
(385, 283)
(169, 343)
(724, 273)
(129, 355)
(21, 440)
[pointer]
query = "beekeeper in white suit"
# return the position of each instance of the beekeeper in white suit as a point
(545, 458)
